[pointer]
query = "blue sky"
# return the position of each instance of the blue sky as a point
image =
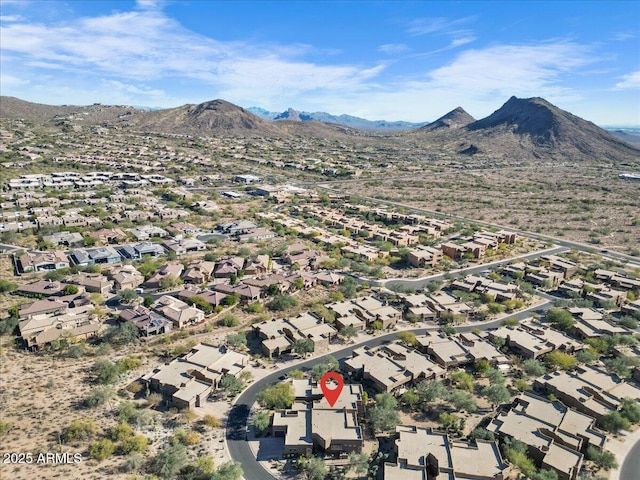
(389, 60)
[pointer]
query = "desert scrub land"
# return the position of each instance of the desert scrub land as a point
(45, 407)
(585, 204)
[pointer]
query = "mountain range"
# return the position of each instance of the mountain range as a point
(346, 120)
(522, 129)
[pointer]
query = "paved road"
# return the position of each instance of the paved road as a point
(419, 283)
(237, 420)
(631, 467)
(544, 238)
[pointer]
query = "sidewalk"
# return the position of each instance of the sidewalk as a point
(621, 448)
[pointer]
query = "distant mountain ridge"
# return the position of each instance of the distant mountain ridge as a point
(530, 129)
(456, 118)
(346, 120)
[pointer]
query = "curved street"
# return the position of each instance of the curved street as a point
(239, 449)
(630, 468)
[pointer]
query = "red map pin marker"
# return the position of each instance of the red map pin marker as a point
(331, 395)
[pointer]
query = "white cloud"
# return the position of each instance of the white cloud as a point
(512, 69)
(629, 81)
(424, 26)
(8, 81)
(391, 48)
(11, 18)
(142, 45)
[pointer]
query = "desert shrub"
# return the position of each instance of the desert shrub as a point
(228, 320)
(80, 429)
(102, 449)
(99, 396)
(211, 421)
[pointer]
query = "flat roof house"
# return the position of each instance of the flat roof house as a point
(554, 434)
(187, 381)
(423, 454)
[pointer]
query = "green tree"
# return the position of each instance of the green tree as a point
(614, 422)
(383, 417)
(496, 394)
(430, 390)
(228, 471)
(626, 321)
(557, 359)
(231, 384)
(314, 468)
(481, 433)
(228, 320)
(261, 421)
(463, 380)
(121, 432)
(587, 356)
(630, 409)
(70, 290)
(102, 449)
(560, 319)
(495, 377)
(121, 334)
(510, 322)
(105, 372)
(410, 398)
(463, 401)
(282, 302)
(349, 331)
(199, 302)
(602, 458)
(349, 287)
(277, 397)
(237, 340)
(448, 421)
(516, 453)
(521, 385)
(482, 366)
(618, 366)
(408, 338)
(170, 460)
(7, 286)
(303, 346)
(533, 367)
(359, 462)
(128, 295)
(329, 364)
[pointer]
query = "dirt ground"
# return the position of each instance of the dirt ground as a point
(586, 204)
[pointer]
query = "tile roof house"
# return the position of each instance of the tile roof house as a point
(148, 322)
(179, 312)
(95, 256)
(169, 270)
(184, 246)
(141, 250)
(41, 288)
(42, 261)
(125, 276)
